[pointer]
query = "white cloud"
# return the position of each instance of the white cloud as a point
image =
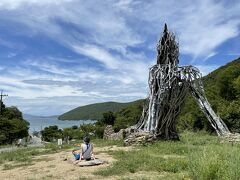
(14, 4)
(207, 37)
(212, 54)
(98, 54)
(102, 24)
(200, 26)
(20, 89)
(48, 67)
(55, 83)
(114, 33)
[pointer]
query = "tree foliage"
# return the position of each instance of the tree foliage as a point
(51, 133)
(12, 125)
(122, 119)
(108, 118)
(129, 115)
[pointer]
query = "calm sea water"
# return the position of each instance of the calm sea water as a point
(39, 123)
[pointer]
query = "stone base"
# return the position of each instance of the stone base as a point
(137, 138)
(95, 162)
(111, 135)
(231, 137)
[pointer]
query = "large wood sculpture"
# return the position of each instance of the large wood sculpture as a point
(169, 84)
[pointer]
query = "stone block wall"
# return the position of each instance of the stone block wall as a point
(111, 135)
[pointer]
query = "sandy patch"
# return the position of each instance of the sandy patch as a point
(114, 148)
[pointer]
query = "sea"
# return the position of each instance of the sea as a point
(38, 123)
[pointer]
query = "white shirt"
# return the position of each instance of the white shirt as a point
(86, 151)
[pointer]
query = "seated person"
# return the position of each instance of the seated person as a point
(86, 151)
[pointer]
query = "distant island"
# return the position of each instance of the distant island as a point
(93, 111)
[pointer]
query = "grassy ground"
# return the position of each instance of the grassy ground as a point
(6, 146)
(103, 143)
(196, 156)
(24, 156)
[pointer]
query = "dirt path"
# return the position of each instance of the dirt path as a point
(52, 166)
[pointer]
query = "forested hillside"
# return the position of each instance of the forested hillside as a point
(92, 111)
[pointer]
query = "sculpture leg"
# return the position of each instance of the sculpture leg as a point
(216, 122)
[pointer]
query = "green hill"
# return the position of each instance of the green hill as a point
(93, 111)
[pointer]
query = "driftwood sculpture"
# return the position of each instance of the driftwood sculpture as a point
(169, 85)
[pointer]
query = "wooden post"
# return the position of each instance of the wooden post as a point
(1, 102)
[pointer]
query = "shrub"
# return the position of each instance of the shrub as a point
(51, 133)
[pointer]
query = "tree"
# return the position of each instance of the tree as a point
(12, 112)
(231, 115)
(75, 127)
(51, 133)
(128, 116)
(108, 118)
(12, 125)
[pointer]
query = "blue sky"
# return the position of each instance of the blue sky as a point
(59, 54)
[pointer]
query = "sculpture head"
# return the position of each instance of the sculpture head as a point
(167, 48)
